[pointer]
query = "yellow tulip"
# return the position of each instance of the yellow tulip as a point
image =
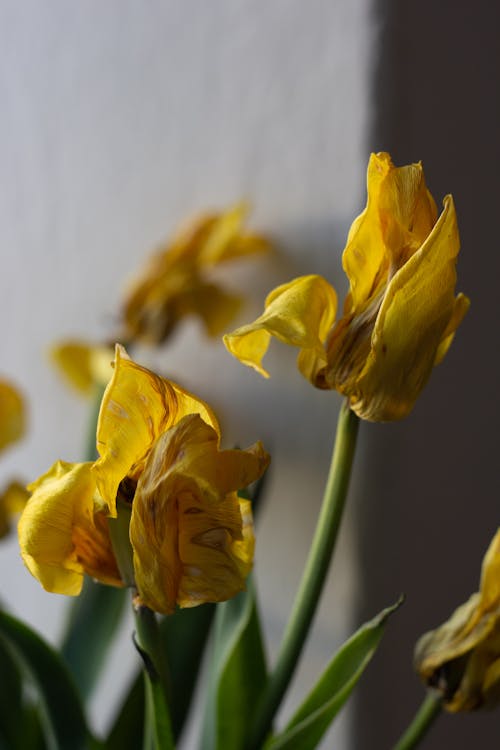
(191, 535)
(400, 314)
(12, 414)
(461, 659)
(176, 281)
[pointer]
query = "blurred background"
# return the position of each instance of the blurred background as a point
(119, 120)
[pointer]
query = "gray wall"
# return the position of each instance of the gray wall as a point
(429, 504)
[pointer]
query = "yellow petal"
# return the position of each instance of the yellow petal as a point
(83, 365)
(136, 408)
(12, 414)
(416, 310)
(213, 305)
(462, 304)
(192, 536)
(12, 501)
(60, 535)
(226, 239)
(299, 313)
(399, 215)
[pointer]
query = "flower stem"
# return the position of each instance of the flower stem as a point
(158, 725)
(428, 712)
(313, 578)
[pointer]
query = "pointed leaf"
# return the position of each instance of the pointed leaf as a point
(66, 728)
(238, 674)
(334, 687)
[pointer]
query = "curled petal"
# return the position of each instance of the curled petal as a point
(191, 534)
(399, 214)
(83, 365)
(12, 415)
(299, 313)
(60, 533)
(136, 408)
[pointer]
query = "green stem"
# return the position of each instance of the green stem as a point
(313, 578)
(422, 722)
(157, 716)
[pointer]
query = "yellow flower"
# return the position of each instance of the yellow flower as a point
(83, 366)
(12, 415)
(400, 314)
(12, 501)
(461, 659)
(176, 282)
(191, 536)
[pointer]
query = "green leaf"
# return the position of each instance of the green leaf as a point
(238, 673)
(65, 727)
(334, 687)
(94, 619)
(128, 727)
(185, 634)
(11, 699)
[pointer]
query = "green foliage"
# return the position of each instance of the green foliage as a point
(238, 673)
(312, 719)
(63, 722)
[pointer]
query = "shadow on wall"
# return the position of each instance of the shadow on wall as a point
(428, 506)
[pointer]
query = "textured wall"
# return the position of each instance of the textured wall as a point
(120, 118)
(430, 504)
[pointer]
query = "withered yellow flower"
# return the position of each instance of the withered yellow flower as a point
(12, 414)
(176, 281)
(159, 456)
(400, 314)
(461, 659)
(83, 365)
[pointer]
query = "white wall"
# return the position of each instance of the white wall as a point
(120, 118)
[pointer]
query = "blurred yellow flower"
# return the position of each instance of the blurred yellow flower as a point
(12, 427)
(191, 536)
(176, 283)
(12, 414)
(12, 501)
(461, 659)
(82, 365)
(400, 314)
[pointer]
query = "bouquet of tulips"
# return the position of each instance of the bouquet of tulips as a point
(159, 515)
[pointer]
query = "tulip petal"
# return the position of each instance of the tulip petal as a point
(299, 313)
(136, 408)
(216, 307)
(12, 416)
(417, 307)
(399, 214)
(60, 535)
(12, 501)
(83, 365)
(226, 240)
(192, 536)
(462, 304)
